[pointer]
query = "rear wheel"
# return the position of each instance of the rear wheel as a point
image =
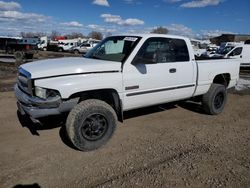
(91, 124)
(76, 52)
(215, 99)
(19, 55)
(60, 49)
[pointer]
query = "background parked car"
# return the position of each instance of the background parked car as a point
(84, 47)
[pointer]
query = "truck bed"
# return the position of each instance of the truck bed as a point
(206, 72)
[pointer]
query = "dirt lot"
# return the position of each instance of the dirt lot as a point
(173, 145)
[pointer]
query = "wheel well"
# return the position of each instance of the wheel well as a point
(110, 96)
(223, 79)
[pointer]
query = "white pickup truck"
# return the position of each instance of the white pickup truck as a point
(119, 74)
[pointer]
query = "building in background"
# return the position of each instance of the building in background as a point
(229, 38)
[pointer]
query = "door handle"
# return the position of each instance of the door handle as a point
(173, 70)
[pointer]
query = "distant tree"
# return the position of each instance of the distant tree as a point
(160, 30)
(75, 35)
(54, 34)
(22, 34)
(95, 35)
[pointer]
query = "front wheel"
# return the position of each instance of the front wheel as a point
(91, 124)
(215, 99)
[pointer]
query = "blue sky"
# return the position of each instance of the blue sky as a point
(193, 18)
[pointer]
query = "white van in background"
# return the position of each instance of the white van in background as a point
(42, 45)
(240, 52)
(67, 44)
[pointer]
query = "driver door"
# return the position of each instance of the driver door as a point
(162, 71)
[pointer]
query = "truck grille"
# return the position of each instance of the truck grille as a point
(24, 81)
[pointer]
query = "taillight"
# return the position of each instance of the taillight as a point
(27, 47)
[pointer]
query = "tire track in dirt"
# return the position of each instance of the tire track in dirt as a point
(202, 149)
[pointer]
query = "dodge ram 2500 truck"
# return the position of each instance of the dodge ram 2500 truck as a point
(119, 74)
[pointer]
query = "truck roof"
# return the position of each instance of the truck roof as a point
(143, 35)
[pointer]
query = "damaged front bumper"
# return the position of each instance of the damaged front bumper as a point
(37, 108)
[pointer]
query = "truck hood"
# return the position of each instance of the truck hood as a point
(68, 66)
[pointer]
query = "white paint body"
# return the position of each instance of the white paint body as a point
(244, 56)
(82, 74)
(43, 43)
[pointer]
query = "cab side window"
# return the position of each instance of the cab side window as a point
(237, 51)
(162, 50)
(85, 45)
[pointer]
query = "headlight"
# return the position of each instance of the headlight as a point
(40, 92)
(45, 93)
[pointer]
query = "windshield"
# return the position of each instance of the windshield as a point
(225, 50)
(42, 42)
(85, 45)
(116, 48)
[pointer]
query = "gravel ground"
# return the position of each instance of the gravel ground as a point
(173, 145)
(162, 146)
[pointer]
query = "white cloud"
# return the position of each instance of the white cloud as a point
(5, 6)
(201, 3)
(109, 18)
(19, 16)
(116, 19)
(103, 29)
(196, 3)
(179, 29)
(13, 20)
(182, 30)
(101, 2)
(72, 24)
(93, 26)
(132, 21)
(174, 29)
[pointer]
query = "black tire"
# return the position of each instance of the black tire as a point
(215, 99)
(90, 124)
(60, 50)
(29, 56)
(76, 52)
(19, 55)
